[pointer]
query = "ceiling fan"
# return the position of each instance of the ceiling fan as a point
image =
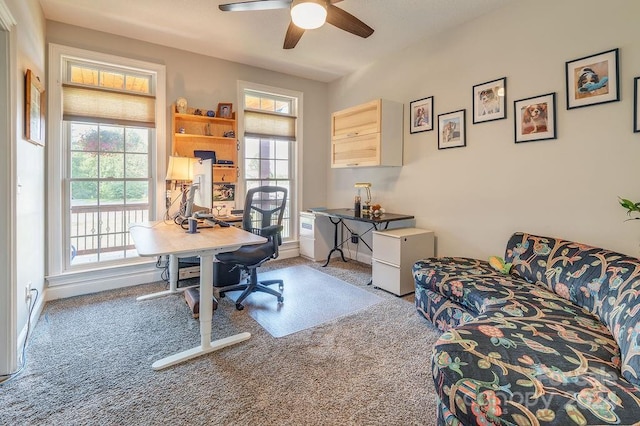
(306, 15)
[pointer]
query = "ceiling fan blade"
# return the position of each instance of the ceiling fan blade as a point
(346, 21)
(294, 33)
(255, 5)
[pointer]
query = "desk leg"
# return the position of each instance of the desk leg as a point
(206, 314)
(336, 246)
(173, 282)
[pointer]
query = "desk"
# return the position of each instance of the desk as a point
(338, 216)
(160, 239)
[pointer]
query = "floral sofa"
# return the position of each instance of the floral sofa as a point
(555, 341)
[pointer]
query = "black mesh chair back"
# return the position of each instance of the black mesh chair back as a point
(264, 206)
(264, 209)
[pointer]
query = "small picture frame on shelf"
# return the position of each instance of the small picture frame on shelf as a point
(592, 80)
(490, 101)
(535, 118)
(421, 115)
(452, 130)
(225, 110)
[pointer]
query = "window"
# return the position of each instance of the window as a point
(270, 148)
(110, 126)
(109, 188)
(108, 115)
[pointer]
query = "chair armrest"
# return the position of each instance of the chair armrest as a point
(271, 230)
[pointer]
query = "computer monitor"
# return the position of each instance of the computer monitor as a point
(201, 190)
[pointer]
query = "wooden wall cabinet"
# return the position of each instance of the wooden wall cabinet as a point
(190, 132)
(367, 135)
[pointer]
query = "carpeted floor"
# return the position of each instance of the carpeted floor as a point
(89, 362)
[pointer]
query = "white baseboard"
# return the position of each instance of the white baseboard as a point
(95, 281)
(81, 283)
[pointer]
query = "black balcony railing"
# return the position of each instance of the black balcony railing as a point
(104, 229)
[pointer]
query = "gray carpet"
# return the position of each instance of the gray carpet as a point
(311, 298)
(89, 363)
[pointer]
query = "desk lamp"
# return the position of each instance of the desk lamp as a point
(366, 208)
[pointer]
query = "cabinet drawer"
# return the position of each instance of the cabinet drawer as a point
(307, 228)
(387, 248)
(307, 248)
(356, 121)
(357, 151)
(391, 278)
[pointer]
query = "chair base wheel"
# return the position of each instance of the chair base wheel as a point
(280, 299)
(239, 306)
(222, 295)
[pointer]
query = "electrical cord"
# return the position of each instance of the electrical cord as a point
(164, 275)
(5, 378)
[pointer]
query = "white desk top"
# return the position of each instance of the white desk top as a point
(161, 238)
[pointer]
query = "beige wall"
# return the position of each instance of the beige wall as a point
(205, 81)
(475, 197)
(30, 159)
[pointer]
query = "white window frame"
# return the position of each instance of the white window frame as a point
(296, 182)
(57, 158)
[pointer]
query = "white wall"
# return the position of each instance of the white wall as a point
(26, 180)
(475, 197)
(205, 81)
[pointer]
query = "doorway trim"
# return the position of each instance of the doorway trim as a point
(8, 91)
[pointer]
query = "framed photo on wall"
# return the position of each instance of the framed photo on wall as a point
(593, 80)
(421, 115)
(452, 130)
(535, 118)
(490, 101)
(636, 105)
(34, 109)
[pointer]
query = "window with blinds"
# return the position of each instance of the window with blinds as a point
(269, 145)
(109, 121)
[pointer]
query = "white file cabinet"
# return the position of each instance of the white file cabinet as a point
(394, 253)
(315, 234)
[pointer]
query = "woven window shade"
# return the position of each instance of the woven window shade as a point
(268, 125)
(92, 104)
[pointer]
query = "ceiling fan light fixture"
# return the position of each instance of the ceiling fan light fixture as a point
(309, 14)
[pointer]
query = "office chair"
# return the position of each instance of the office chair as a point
(263, 212)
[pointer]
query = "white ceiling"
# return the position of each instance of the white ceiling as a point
(256, 37)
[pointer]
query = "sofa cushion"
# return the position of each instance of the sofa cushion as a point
(605, 283)
(549, 363)
(442, 312)
(467, 282)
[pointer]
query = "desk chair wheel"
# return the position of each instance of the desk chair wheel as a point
(280, 299)
(239, 306)
(221, 295)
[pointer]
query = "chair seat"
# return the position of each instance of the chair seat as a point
(248, 255)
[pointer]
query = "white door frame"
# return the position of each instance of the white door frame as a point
(8, 138)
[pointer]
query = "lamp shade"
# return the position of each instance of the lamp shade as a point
(309, 14)
(179, 168)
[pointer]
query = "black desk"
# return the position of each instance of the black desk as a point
(338, 216)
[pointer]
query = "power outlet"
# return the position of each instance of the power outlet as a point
(27, 293)
(354, 238)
